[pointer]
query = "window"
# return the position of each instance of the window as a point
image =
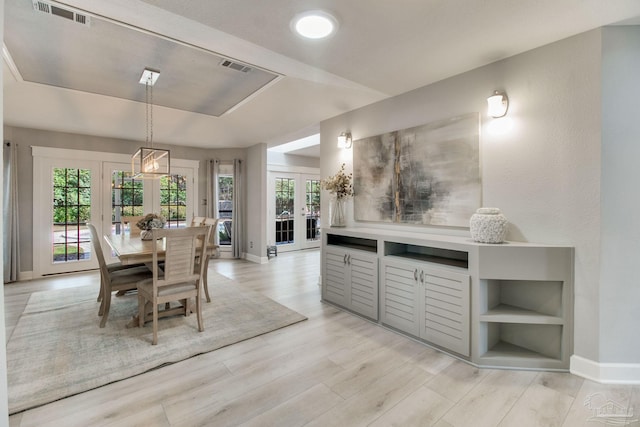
(225, 203)
(312, 209)
(173, 200)
(285, 197)
(71, 212)
(126, 197)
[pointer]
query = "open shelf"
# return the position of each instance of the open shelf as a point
(359, 243)
(521, 341)
(505, 313)
(528, 299)
(504, 350)
(428, 254)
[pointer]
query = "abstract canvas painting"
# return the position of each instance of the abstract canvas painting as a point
(427, 174)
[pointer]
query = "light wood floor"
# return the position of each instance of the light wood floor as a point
(334, 369)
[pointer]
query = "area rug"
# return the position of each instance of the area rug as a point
(57, 348)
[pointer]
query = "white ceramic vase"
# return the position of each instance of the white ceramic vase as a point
(146, 234)
(488, 225)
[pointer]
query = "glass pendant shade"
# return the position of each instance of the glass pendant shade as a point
(150, 163)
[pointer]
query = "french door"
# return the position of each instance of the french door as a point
(69, 195)
(294, 221)
(73, 187)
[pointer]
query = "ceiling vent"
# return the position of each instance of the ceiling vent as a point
(235, 66)
(62, 12)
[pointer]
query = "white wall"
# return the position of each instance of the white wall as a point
(4, 402)
(256, 207)
(544, 174)
(619, 276)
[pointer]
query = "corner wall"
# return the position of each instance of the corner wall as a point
(619, 283)
(544, 173)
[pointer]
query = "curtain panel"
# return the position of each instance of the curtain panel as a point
(10, 212)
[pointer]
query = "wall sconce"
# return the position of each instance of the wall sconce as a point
(498, 104)
(344, 140)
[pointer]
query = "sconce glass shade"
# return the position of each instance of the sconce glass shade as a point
(498, 104)
(344, 140)
(151, 163)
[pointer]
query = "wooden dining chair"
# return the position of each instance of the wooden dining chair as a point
(178, 280)
(212, 248)
(132, 221)
(197, 221)
(114, 279)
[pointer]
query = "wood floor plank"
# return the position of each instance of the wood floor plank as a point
(423, 408)
(299, 410)
(488, 403)
(375, 400)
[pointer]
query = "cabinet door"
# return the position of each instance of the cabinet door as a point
(399, 305)
(363, 275)
(335, 278)
(446, 309)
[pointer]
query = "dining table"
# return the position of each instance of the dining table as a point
(131, 249)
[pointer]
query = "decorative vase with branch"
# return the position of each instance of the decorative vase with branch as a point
(148, 223)
(340, 187)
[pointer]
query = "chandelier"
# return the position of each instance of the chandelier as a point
(149, 162)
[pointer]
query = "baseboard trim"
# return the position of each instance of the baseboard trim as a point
(25, 275)
(256, 259)
(605, 373)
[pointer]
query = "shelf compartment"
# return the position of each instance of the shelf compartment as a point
(504, 313)
(431, 254)
(359, 243)
(521, 341)
(526, 298)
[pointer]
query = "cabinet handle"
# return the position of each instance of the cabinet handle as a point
(415, 274)
(349, 259)
(344, 260)
(421, 276)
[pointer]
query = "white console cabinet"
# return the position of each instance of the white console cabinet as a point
(427, 302)
(494, 305)
(351, 279)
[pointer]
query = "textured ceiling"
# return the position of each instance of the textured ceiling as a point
(67, 77)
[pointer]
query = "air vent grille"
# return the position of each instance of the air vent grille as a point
(66, 13)
(235, 66)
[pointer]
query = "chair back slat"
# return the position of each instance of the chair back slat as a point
(181, 248)
(133, 223)
(95, 240)
(213, 224)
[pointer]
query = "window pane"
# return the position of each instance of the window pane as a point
(126, 198)
(71, 211)
(285, 196)
(173, 200)
(225, 208)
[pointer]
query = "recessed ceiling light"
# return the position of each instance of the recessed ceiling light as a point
(314, 24)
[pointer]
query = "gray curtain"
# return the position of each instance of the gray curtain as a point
(213, 169)
(10, 212)
(237, 231)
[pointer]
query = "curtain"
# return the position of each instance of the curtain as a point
(10, 212)
(213, 169)
(237, 231)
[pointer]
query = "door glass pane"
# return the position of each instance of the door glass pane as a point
(312, 209)
(225, 208)
(285, 196)
(126, 198)
(173, 200)
(71, 212)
